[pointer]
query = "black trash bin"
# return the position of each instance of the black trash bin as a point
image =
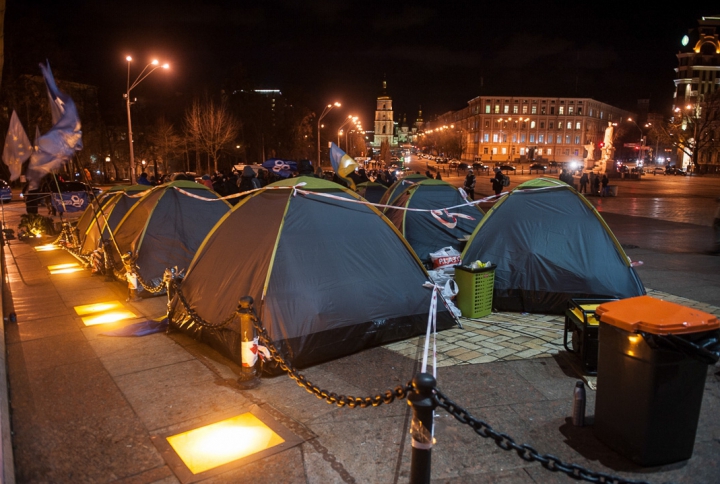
(652, 364)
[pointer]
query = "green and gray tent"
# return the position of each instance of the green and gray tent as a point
(429, 233)
(329, 276)
(550, 245)
(372, 191)
(112, 207)
(166, 226)
(399, 186)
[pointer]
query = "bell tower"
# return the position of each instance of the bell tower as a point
(384, 124)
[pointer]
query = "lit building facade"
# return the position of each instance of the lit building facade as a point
(521, 129)
(697, 77)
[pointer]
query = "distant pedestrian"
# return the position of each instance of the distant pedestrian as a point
(583, 183)
(595, 184)
(497, 181)
(205, 180)
(604, 183)
(469, 185)
(437, 175)
(716, 229)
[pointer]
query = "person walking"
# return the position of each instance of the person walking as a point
(497, 181)
(595, 184)
(604, 182)
(583, 183)
(469, 185)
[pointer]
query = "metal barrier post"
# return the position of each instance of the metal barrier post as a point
(248, 344)
(423, 404)
(106, 247)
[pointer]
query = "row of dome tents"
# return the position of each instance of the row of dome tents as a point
(304, 251)
(299, 253)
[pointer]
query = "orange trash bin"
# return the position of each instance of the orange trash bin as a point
(652, 364)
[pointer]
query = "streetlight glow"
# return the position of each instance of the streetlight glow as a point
(327, 109)
(129, 87)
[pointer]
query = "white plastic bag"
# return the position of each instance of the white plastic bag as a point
(445, 257)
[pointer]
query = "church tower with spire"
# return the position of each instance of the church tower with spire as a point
(384, 124)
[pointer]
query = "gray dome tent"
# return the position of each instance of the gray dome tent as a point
(424, 232)
(329, 277)
(550, 245)
(166, 226)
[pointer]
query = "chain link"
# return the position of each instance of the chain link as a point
(194, 315)
(525, 451)
(332, 398)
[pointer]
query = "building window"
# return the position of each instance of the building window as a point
(542, 110)
(559, 125)
(551, 125)
(591, 112)
(506, 109)
(571, 109)
(549, 151)
(487, 123)
(513, 137)
(541, 138)
(504, 138)
(552, 110)
(561, 110)
(534, 109)
(602, 115)
(569, 125)
(542, 124)
(559, 139)
(486, 137)
(567, 139)
(515, 109)
(503, 150)
(495, 137)
(532, 138)
(532, 124)
(522, 137)
(577, 124)
(576, 153)
(487, 109)
(580, 110)
(577, 140)
(525, 109)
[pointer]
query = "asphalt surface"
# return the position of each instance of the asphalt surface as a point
(92, 408)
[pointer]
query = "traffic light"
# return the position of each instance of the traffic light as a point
(601, 144)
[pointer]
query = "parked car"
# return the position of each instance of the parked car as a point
(537, 167)
(506, 167)
(453, 163)
(480, 167)
(5, 191)
(672, 170)
(658, 169)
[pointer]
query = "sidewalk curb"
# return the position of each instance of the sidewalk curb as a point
(7, 473)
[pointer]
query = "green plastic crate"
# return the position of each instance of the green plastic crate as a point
(475, 290)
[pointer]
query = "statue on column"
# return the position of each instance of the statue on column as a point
(608, 150)
(590, 158)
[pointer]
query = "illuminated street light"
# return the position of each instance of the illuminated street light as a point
(326, 110)
(149, 69)
(350, 119)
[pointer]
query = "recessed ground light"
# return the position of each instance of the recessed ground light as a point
(109, 317)
(97, 307)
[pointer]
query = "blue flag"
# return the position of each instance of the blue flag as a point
(69, 201)
(343, 164)
(282, 168)
(17, 147)
(57, 146)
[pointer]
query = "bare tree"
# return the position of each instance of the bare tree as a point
(211, 126)
(167, 143)
(694, 130)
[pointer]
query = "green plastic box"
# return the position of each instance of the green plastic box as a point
(475, 290)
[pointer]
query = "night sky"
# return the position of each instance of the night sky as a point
(435, 54)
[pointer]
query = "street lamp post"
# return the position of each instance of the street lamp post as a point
(326, 110)
(350, 119)
(642, 139)
(141, 77)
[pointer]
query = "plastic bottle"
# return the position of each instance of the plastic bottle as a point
(578, 414)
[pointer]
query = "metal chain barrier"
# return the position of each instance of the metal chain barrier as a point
(525, 451)
(332, 398)
(194, 315)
